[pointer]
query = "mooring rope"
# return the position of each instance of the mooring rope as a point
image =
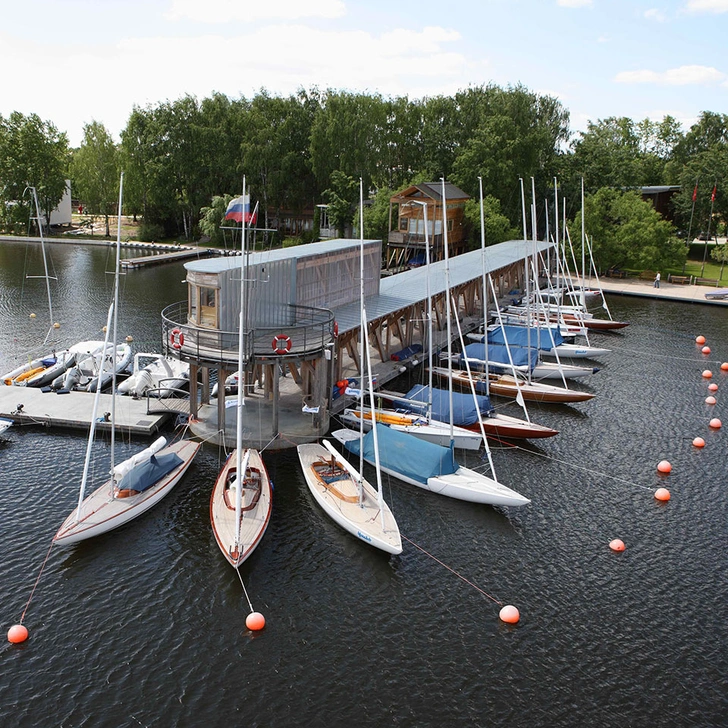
(449, 568)
(40, 573)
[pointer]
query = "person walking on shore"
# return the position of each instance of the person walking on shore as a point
(656, 284)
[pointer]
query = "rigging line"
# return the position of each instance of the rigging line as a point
(666, 356)
(449, 568)
(581, 467)
(245, 591)
(45, 561)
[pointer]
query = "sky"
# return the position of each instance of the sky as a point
(76, 61)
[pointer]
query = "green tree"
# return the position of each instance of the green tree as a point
(275, 151)
(518, 134)
(607, 154)
(95, 171)
(346, 136)
(212, 217)
(341, 198)
(376, 216)
(498, 227)
(628, 232)
(32, 153)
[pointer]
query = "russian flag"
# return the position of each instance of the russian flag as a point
(238, 207)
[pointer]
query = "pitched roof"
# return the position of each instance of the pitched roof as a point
(431, 190)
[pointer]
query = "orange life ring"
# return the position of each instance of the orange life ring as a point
(177, 338)
(281, 344)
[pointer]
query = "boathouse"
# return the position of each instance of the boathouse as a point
(302, 327)
(414, 205)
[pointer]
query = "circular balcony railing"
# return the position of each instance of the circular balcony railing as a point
(289, 331)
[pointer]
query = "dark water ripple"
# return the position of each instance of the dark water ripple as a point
(145, 626)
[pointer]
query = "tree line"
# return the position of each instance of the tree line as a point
(184, 159)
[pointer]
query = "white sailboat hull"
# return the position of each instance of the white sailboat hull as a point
(257, 502)
(420, 427)
(103, 511)
(362, 517)
(574, 351)
(542, 370)
(464, 484)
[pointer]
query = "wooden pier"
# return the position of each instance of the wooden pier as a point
(160, 258)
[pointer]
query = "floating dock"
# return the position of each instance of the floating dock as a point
(160, 258)
(32, 406)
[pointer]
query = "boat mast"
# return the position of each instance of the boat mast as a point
(583, 250)
(448, 311)
(94, 415)
(556, 223)
(429, 309)
(117, 267)
(239, 465)
(485, 286)
(45, 262)
(365, 341)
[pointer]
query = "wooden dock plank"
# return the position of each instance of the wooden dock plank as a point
(74, 410)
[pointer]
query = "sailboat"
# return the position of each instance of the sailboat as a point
(137, 483)
(339, 488)
(425, 464)
(474, 416)
(240, 507)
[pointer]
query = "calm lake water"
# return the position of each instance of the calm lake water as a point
(146, 626)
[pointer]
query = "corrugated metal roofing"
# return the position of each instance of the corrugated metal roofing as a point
(404, 289)
(217, 265)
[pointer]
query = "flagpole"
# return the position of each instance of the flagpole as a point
(707, 237)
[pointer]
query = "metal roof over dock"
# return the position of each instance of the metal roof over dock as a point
(405, 289)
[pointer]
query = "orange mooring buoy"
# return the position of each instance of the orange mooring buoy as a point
(700, 339)
(705, 350)
(17, 634)
(662, 494)
(715, 423)
(724, 366)
(664, 466)
(255, 621)
(707, 374)
(617, 544)
(698, 442)
(713, 387)
(710, 399)
(509, 614)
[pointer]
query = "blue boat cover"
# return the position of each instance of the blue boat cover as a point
(464, 409)
(402, 453)
(146, 474)
(518, 336)
(498, 354)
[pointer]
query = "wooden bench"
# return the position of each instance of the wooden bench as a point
(647, 275)
(681, 280)
(616, 273)
(706, 282)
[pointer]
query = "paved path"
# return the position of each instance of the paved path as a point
(670, 291)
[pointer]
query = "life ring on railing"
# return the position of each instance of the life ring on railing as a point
(336, 330)
(177, 339)
(281, 344)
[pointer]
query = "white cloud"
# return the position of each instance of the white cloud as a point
(655, 14)
(707, 6)
(224, 11)
(574, 3)
(682, 76)
(398, 62)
